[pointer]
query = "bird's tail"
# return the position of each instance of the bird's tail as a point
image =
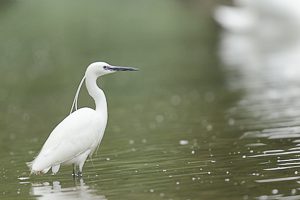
(29, 165)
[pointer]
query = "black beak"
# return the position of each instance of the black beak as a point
(119, 68)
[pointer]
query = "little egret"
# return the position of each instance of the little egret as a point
(80, 133)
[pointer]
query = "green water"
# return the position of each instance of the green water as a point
(176, 130)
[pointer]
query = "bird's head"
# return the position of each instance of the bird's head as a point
(102, 68)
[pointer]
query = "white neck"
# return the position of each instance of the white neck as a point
(96, 92)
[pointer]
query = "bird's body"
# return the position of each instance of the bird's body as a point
(72, 135)
(80, 133)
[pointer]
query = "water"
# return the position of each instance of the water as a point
(189, 125)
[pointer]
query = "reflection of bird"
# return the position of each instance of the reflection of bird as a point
(79, 134)
(80, 190)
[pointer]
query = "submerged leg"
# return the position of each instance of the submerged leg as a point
(79, 174)
(80, 169)
(74, 170)
(82, 160)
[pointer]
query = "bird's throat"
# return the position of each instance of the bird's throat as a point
(96, 93)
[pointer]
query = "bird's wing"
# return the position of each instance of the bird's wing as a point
(74, 135)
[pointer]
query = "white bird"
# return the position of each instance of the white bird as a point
(80, 133)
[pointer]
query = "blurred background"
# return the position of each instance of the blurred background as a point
(213, 112)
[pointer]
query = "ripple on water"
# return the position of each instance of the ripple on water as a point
(268, 117)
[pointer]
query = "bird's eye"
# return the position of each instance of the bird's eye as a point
(105, 67)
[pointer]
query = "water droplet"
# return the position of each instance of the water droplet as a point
(293, 191)
(193, 152)
(263, 197)
(177, 183)
(193, 178)
(107, 158)
(209, 127)
(183, 142)
(274, 191)
(208, 172)
(131, 141)
(23, 178)
(296, 172)
(244, 156)
(151, 190)
(227, 179)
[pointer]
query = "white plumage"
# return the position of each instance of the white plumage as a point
(79, 134)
